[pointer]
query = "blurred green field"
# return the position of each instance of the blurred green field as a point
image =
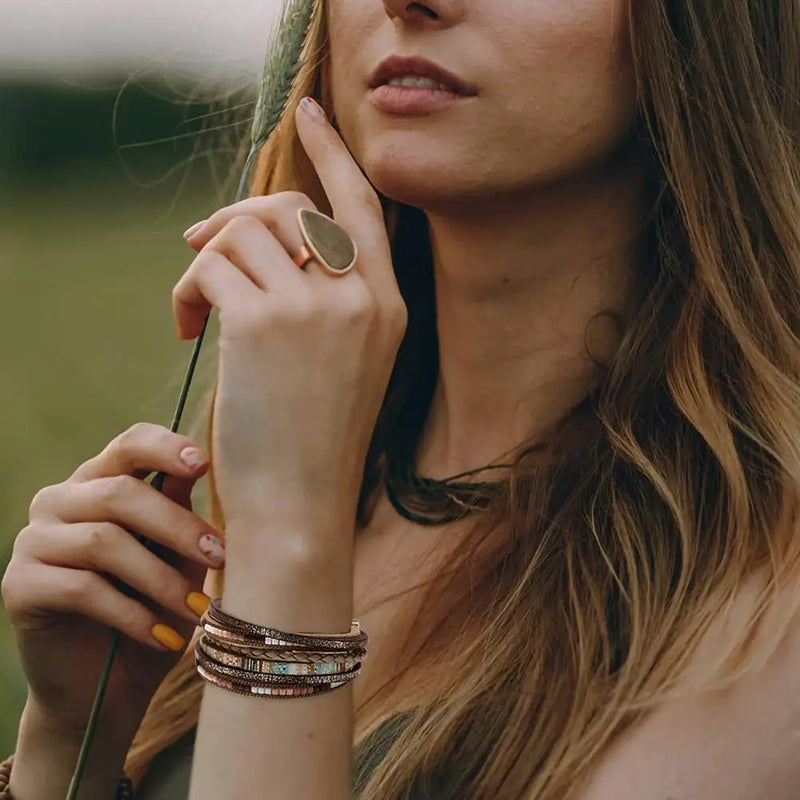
(88, 260)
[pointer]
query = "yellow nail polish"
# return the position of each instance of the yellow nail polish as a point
(165, 635)
(198, 602)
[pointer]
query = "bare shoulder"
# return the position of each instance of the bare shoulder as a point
(741, 743)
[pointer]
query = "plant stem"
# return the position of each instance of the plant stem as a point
(157, 483)
(281, 67)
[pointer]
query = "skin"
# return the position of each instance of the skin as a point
(529, 241)
(487, 221)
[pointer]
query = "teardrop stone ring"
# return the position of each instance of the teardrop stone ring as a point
(326, 242)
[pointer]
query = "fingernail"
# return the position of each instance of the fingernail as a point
(193, 457)
(310, 105)
(165, 635)
(212, 548)
(189, 232)
(198, 602)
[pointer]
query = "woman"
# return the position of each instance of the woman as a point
(595, 240)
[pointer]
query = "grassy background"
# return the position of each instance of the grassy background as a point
(88, 260)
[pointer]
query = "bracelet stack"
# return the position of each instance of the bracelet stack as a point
(254, 660)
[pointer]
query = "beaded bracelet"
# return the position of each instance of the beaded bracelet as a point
(276, 679)
(306, 655)
(251, 690)
(124, 790)
(265, 664)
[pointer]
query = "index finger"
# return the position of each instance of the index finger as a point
(141, 449)
(354, 202)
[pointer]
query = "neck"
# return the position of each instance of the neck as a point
(519, 280)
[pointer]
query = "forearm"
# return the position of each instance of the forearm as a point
(298, 746)
(45, 759)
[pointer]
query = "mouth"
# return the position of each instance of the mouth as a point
(415, 72)
(411, 85)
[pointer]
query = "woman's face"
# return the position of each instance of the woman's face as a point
(555, 93)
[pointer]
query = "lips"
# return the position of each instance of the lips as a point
(403, 66)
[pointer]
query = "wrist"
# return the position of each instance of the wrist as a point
(292, 514)
(46, 756)
(293, 587)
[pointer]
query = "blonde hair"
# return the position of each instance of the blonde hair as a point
(615, 565)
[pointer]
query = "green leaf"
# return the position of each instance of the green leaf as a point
(281, 67)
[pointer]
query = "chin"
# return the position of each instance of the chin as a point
(414, 178)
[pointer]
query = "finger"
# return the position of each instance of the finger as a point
(144, 448)
(138, 507)
(256, 249)
(179, 490)
(212, 280)
(65, 590)
(354, 202)
(278, 212)
(105, 547)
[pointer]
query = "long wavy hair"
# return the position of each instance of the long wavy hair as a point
(615, 564)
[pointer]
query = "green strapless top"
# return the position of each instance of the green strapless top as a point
(170, 771)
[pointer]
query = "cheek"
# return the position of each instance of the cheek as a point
(350, 24)
(567, 81)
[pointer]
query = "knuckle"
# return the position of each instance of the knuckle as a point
(137, 432)
(8, 585)
(21, 540)
(291, 200)
(359, 307)
(301, 310)
(179, 589)
(13, 588)
(80, 586)
(236, 227)
(397, 318)
(242, 222)
(368, 197)
(41, 500)
(178, 288)
(101, 537)
(132, 617)
(110, 489)
(202, 263)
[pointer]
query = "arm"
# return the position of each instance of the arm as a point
(301, 747)
(45, 759)
(305, 361)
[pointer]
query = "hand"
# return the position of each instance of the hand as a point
(304, 357)
(63, 588)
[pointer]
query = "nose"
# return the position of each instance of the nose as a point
(443, 12)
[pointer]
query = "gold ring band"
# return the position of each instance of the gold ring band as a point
(303, 257)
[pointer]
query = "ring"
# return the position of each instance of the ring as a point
(326, 242)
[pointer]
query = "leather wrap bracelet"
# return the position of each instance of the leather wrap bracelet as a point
(255, 660)
(217, 619)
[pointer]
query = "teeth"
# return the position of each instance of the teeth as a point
(414, 80)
